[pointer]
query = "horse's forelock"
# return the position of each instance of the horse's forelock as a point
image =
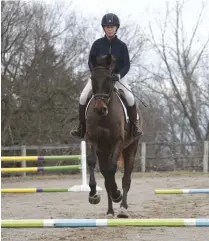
(100, 79)
(100, 72)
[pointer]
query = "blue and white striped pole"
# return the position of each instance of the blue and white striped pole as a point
(72, 223)
(182, 191)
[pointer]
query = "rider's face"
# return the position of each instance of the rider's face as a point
(110, 30)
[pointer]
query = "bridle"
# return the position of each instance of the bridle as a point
(102, 96)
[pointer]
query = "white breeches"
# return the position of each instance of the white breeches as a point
(127, 94)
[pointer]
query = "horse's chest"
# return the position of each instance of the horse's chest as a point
(105, 127)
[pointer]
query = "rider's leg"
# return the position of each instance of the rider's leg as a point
(131, 108)
(80, 130)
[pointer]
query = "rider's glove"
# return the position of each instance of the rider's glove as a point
(115, 77)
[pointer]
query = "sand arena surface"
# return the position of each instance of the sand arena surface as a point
(143, 203)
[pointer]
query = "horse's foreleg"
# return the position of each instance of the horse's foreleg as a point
(103, 164)
(94, 197)
(115, 193)
(129, 158)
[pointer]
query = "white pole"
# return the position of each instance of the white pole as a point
(83, 163)
(143, 157)
(84, 187)
(205, 156)
(23, 163)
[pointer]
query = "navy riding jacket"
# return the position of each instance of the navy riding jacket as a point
(118, 48)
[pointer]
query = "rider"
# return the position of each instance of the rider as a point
(110, 43)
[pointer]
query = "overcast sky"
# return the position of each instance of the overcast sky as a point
(135, 9)
(141, 11)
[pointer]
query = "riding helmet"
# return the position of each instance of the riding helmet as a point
(110, 19)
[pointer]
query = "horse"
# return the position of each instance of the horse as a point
(108, 136)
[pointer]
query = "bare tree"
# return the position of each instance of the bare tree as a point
(42, 71)
(177, 78)
(174, 83)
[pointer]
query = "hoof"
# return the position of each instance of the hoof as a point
(123, 213)
(95, 199)
(118, 198)
(110, 215)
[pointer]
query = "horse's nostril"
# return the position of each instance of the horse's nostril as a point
(104, 109)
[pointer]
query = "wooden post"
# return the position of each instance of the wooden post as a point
(143, 157)
(23, 163)
(205, 156)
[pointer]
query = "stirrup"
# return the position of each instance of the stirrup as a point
(79, 131)
(137, 130)
(76, 131)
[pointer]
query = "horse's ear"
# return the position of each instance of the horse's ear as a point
(109, 59)
(93, 60)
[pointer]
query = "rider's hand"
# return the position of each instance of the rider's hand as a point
(115, 77)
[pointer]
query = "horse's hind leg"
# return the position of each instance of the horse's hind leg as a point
(94, 197)
(129, 157)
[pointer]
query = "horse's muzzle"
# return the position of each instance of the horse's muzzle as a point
(102, 111)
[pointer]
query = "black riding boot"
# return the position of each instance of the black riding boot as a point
(80, 130)
(132, 113)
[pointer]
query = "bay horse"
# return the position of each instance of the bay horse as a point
(108, 136)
